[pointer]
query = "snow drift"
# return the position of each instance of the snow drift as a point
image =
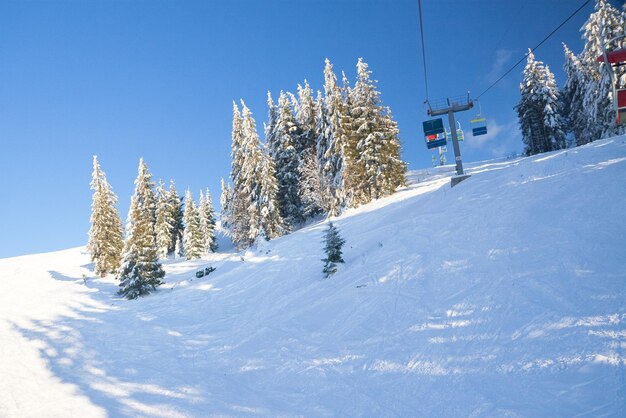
(503, 296)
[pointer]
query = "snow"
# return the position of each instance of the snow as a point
(502, 296)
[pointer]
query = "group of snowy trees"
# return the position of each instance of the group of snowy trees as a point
(320, 156)
(583, 107)
(157, 227)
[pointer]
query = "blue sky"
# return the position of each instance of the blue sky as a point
(156, 79)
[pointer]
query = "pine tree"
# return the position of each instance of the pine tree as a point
(539, 116)
(335, 137)
(322, 130)
(225, 202)
(272, 224)
(305, 119)
(332, 247)
(175, 203)
(395, 167)
(207, 222)
(373, 165)
(193, 241)
(239, 201)
(311, 192)
(105, 235)
(282, 150)
(251, 175)
(572, 96)
(164, 221)
(140, 271)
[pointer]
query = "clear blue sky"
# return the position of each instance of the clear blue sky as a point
(126, 79)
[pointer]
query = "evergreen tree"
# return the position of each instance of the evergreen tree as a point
(207, 222)
(335, 139)
(252, 172)
(540, 122)
(105, 235)
(175, 203)
(395, 167)
(193, 241)
(282, 150)
(572, 97)
(140, 271)
(164, 221)
(311, 192)
(332, 247)
(225, 202)
(239, 201)
(305, 119)
(322, 130)
(272, 224)
(373, 165)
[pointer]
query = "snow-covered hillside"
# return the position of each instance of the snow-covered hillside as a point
(502, 296)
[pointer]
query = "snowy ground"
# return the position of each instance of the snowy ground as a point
(504, 296)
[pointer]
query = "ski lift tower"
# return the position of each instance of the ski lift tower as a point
(450, 106)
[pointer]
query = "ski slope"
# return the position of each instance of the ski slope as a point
(503, 296)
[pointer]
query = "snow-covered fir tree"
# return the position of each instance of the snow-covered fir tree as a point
(335, 139)
(105, 235)
(308, 165)
(373, 165)
(538, 112)
(395, 167)
(225, 199)
(164, 221)
(322, 130)
(251, 178)
(311, 192)
(572, 97)
(602, 27)
(305, 118)
(272, 224)
(176, 204)
(333, 244)
(239, 201)
(207, 222)
(140, 271)
(193, 240)
(281, 144)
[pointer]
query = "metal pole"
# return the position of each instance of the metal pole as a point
(455, 144)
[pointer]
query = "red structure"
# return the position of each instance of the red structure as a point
(616, 58)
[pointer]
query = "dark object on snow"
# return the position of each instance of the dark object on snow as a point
(205, 272)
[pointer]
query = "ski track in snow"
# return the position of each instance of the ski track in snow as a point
(503, 296)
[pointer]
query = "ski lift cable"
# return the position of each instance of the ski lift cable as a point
(532, 49)
(419, 5)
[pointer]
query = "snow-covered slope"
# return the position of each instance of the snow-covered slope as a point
(503, 296)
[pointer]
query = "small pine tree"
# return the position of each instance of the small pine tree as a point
(332, 247)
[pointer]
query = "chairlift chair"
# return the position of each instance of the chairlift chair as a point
(435, 140)
(479, 125)
(616, 58)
